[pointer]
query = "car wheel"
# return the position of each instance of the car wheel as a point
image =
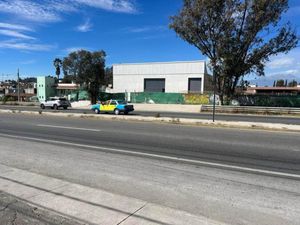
(117, 112)
(125, 113)
(55, 107)
(97, 111)
(65, 107)
(42, 106)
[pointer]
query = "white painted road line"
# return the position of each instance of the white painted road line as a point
(178, 159)
(69, 128)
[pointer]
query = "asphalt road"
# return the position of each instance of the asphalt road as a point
(242, 176)
(265, 150)
(225, 117)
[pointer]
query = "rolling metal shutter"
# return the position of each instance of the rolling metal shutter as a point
(154, 85)
(195, 85)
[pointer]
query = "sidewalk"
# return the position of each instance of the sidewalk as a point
(88, 205)
(18, 212)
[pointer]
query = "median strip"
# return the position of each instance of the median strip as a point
(182, 121)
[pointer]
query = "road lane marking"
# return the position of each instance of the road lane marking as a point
(69, 128)
(178, 159)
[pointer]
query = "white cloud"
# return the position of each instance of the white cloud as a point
(52, 10)
(62, 5)
(125, 6)
(25, 46)
(15, 27)
(151, 37)
(30, 10)
(85, 27)
(294, 71)
(284, 63)
(15, 34)
(281, 62)
(144, 29)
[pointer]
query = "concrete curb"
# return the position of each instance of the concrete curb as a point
(183, 121)
(89, 205)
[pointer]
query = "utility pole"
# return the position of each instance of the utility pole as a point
(214, 103)
(215, 90)
(18, 86)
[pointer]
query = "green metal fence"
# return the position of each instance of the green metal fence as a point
(157, 98)
(107, 96)
(199, 99)
(269, 100)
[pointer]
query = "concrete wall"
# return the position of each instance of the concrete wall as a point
(130, 77)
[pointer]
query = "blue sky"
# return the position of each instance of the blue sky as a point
(34, 32)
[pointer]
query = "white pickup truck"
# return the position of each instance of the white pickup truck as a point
(55, 103)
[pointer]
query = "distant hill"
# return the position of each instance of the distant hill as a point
(269, 80)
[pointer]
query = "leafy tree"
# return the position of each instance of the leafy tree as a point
(28, 80)
(68, 79)
(86, 68)
(244, 83)
(293, 83)
(57, 64)
(280, 83)
(109, 76)
(238, 36)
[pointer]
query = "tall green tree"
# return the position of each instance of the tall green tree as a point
(86, 68)
(109, 76)
(293, 83)
(280, 83)
(57, 63)
(238, 36)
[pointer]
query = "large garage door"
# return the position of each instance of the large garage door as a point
(154, 85)
(195, 85)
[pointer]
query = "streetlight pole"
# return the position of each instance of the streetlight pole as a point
(18, 86)
(213, 62)
(214, 102)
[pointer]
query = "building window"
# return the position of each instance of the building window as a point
(195, 85)
(154, 85)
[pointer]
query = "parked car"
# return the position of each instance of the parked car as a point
(115, 106)
(55, 103)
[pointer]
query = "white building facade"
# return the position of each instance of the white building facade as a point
(169, 77)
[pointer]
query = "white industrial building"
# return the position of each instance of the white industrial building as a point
(169, 77)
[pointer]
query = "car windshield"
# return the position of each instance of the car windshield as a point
(62, 99)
